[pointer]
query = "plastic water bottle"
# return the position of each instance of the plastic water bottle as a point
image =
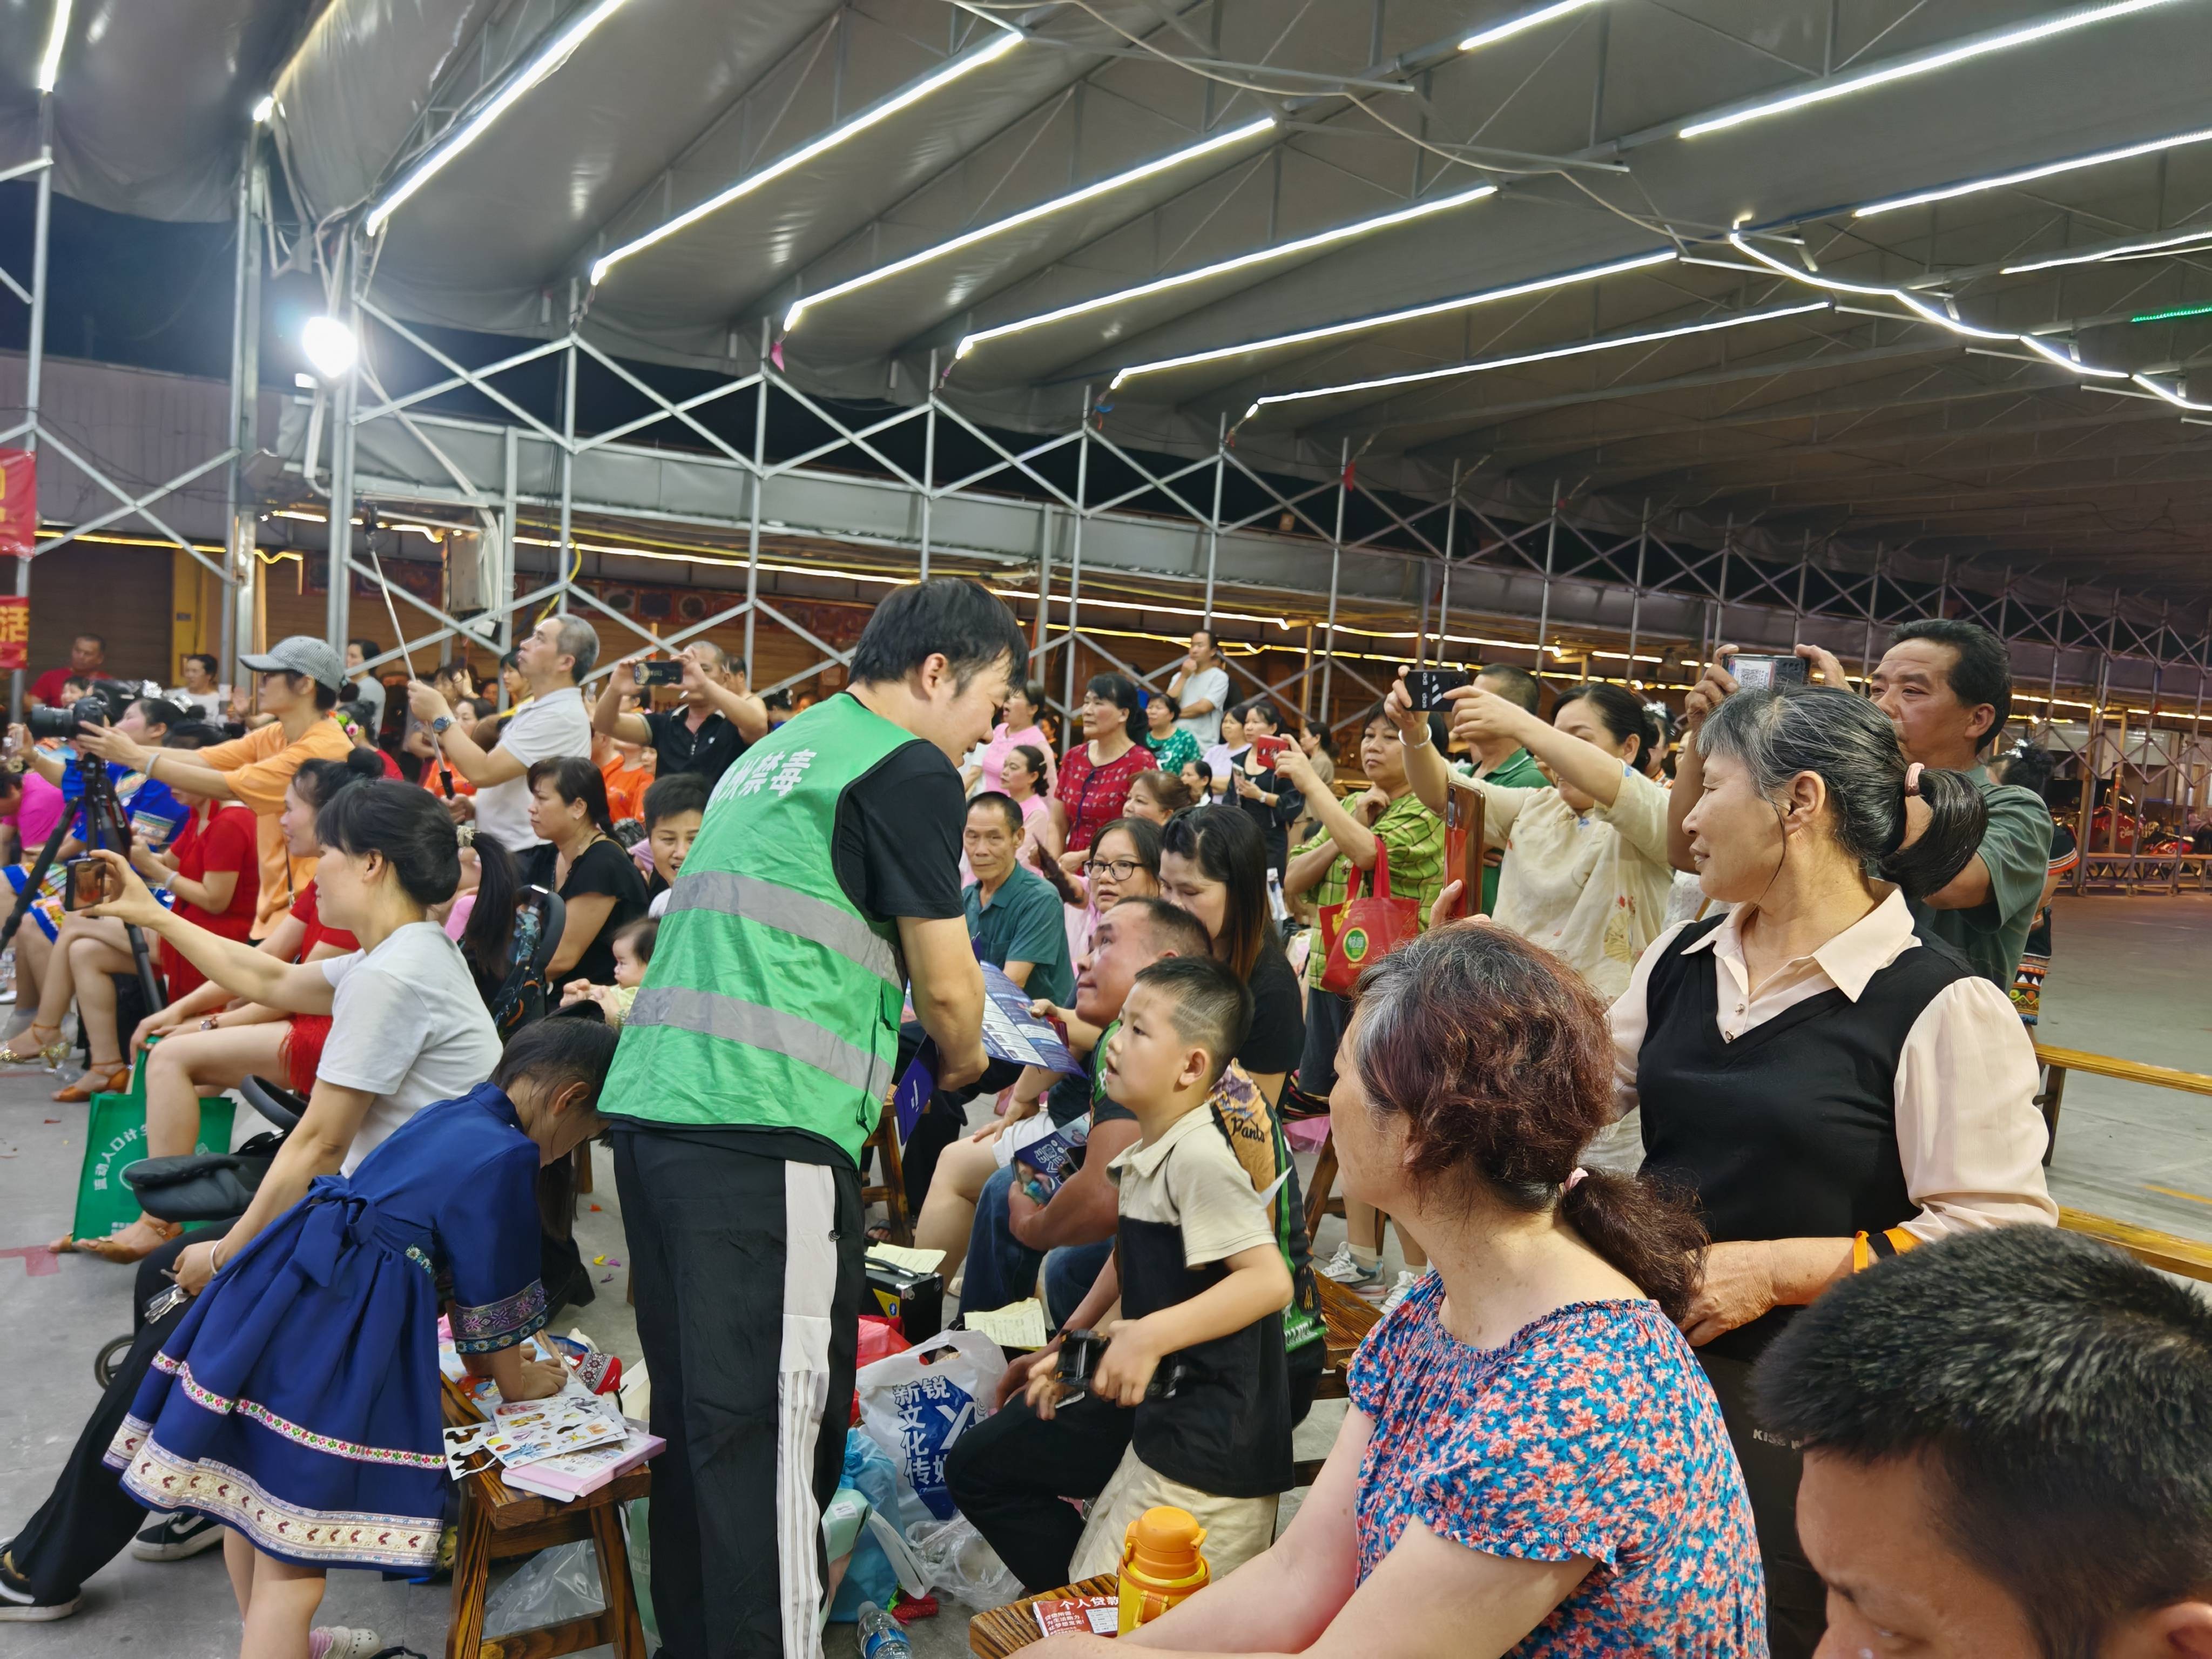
(882, 1637)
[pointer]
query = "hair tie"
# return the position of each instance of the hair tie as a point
(1576, 1179)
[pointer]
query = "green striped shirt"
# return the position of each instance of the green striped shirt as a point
(1414, 841)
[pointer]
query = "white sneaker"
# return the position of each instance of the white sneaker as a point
(1349, 1274)
(343, 1641)
(1406, 1281)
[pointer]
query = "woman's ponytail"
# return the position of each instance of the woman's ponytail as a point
(1646, 1229)
(1957, 820)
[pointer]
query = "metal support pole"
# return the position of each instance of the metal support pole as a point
(1797, 610)
(1075, 561)
(760, 484)
(567, 455)
(928, 465)
(1544, 609)
(1041, 633)
(1213, 525)
(238, 554)
(510, 511)
(336, 624)
(2050, 701)
(1421, 626)
(1636, 600)
(1444, 598)
(1335, 567)
(35, 354)
(1720, 597)
(1874, 609)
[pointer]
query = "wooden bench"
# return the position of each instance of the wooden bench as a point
(2057, 1062)
(1002, 1631)
(499, 1522)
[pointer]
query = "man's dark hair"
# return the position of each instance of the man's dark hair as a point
(367, 647)
(1983, 673)
(946, 613)
(1170, 927)
(2060, 1396)
(2029, 768)
(679, 791)
(1209, 1003)
(100, 640)
(1514, 684)
(206, 659)
(1005, 805)
(554, 1053)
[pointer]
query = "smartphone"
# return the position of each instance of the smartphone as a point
(1427, 686)
(657, 673)
(84, 885)
(1767, 673)
(1268, 749)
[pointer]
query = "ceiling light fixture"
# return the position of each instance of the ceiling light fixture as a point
(2006, 180)
(329, 345)
(1307, 336)
(1980, 46)
(2124, 251)
(1027, 216)
(557, 52)
(1243, 261)
(966, 63)
(266, 108)
(2173, 313)
(1647, 337)
(1513, 25)
(50, 61)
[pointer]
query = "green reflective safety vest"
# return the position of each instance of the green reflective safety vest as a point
(772, 1000)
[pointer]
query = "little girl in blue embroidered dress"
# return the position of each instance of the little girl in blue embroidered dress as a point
(298, 1402)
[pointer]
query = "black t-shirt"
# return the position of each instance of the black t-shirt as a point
(601, 870)
(1277, 1040)
(707, 752)
(897, 845)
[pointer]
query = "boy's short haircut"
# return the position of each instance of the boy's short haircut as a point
(1172, 930)
(679, 791)
(1208, 1005)
(641, 934)
(555, 1053)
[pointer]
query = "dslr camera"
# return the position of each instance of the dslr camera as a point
(107, 703)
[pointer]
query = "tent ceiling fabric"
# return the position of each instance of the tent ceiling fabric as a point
(1858, 421)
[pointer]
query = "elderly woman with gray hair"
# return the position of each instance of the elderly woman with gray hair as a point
(1833, 1089)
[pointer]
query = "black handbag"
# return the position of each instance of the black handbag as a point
(202, 1187)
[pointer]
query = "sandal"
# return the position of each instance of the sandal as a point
(114, 1247)
(99, 1080)
(41, 1054)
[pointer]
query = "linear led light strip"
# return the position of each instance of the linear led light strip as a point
(555, 54)
(1243, 261)
(50, 61)
(1027, 216)
(1920, 307)
(1307, 336)
(2125, 251)
(1905, 69)
(1513, 25)
(1610, 342)
(2006, 180)
(966, 63)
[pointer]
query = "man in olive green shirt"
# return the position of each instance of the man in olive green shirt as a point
(1946, 686)
(1505, 763)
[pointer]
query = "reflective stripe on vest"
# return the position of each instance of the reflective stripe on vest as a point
(728, 893)
(735, 1020)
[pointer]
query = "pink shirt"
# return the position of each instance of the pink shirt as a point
(992, 760)
(43, 807)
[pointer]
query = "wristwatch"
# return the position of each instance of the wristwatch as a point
(437, 725)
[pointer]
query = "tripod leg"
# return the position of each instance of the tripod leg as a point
(103, 817)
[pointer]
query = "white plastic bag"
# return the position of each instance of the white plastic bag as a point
(551, 1587)
(915, 1404)
(956, 1560)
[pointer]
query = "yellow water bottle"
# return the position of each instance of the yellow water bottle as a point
(1160, 1564)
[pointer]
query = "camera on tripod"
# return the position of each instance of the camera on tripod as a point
(109, 701)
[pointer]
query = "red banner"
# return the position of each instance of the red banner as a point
(19, 502)
(14, 633)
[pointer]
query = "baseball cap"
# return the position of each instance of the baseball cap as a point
(302, 653)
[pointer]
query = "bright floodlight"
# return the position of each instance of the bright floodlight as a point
(266, 108)
(50, 61)
(329, 345)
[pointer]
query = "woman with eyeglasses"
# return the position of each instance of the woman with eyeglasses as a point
(1124, 862)
(1095, 774)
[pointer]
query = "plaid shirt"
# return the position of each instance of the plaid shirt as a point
(1413, 839)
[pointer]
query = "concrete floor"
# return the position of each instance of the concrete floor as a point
(2130, 978)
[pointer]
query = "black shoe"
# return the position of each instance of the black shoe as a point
(173, 1536)
(16, 1606)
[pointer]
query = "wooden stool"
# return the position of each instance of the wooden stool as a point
(499, 1522)
(1348, 1316)
(1002, 1631)
(893, 1190)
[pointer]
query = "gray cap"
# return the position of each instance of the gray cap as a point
(302, 653)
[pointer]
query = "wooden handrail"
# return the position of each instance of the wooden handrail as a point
(2127, 1070)
(2167, 1252)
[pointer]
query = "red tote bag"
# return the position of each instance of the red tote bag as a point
(1365, 928)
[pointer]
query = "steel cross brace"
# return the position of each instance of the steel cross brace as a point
(131, 505)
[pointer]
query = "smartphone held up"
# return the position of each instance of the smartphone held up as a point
(1426, 688)
(657, 673)
(1766, 673)
(86, 881)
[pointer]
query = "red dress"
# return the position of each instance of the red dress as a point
(222, 840)
(1095, 795)
(306, 1033)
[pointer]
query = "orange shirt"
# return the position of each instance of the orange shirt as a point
(626, 787)
(258, 766)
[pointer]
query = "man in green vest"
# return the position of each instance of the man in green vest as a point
(753, 1067)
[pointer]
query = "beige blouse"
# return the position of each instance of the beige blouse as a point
(1592, 890)
(1968, 1134)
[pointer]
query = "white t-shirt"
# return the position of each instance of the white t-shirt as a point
(1207, 685)
(553, 725)
(408, 1025)
(209, 703)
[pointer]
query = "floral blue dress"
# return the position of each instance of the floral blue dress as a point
(1591, 1432)
(298, 1401)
